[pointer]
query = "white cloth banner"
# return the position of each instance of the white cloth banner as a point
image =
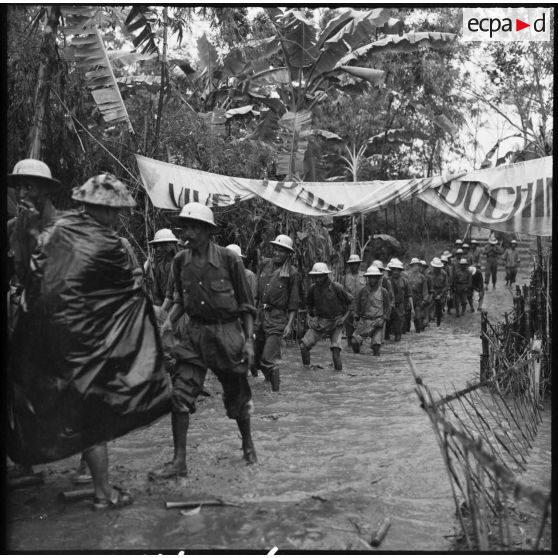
(482, 197)
(510, 198)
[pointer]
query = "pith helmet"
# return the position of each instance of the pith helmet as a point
(378, 264)
(319, 268)
(444, 259)
(354, 258)
(446, 253)
(105, 190)
(414, 261)
(372, 271)
(422, 262)
(236, 249)
(437, 262)
(395, 264)
(284, 241)
(465, 245)
(195, 211)
(33, 168)
(459, 251)
(473, 241)
(514, 241)
(458, 241)
(163, 235)
(463, 261)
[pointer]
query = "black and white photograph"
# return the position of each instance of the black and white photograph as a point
(279, 278)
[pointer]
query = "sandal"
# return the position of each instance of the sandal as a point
(118, 499)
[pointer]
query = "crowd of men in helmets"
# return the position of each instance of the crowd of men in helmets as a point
(231, 320)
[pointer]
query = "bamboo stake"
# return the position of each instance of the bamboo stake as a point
(460, 456)
(543, 523)
(483, 523)
(487, 438)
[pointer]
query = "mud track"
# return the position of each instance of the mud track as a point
(338, 452)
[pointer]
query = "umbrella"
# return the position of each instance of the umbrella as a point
(388, 240)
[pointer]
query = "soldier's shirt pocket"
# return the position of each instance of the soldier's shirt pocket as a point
(223, 292)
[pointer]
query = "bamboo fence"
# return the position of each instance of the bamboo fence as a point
(486, 431)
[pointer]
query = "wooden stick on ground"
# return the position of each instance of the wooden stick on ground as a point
(381, 533)
(76, 495)
(196, 503)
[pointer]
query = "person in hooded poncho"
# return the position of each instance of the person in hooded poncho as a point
(86, 365)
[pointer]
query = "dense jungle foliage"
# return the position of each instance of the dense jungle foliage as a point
(312, 94)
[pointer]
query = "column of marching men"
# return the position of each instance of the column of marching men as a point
(374, 305)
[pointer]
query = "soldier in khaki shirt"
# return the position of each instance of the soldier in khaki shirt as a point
(211, 287)
(511, 262)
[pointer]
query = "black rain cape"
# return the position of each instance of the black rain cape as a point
(86, 363)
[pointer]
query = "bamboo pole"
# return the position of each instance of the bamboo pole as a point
(484, 359)
(42, 89)
(163, 82)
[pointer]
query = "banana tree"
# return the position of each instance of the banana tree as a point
(320, 63)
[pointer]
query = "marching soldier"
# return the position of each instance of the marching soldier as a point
(476, 252)
(429, 306)
(466, 254)
(386, 284)
(440, 287)
(403, 299)
(462, 286)
(328, 307)
(448, 268)
(372, 308)
(419, 292)
(211, 287)
(511, 262)
(277, 300)
(476, 286)
(250, 275)
(157, 267)
(492, 252)
(353, 282)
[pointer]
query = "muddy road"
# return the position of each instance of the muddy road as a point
(338, 452)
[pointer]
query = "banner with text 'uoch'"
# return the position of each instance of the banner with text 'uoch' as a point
(513, 197)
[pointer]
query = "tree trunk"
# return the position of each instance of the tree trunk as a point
(42, 89)
(353, 235)
(163, 82)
